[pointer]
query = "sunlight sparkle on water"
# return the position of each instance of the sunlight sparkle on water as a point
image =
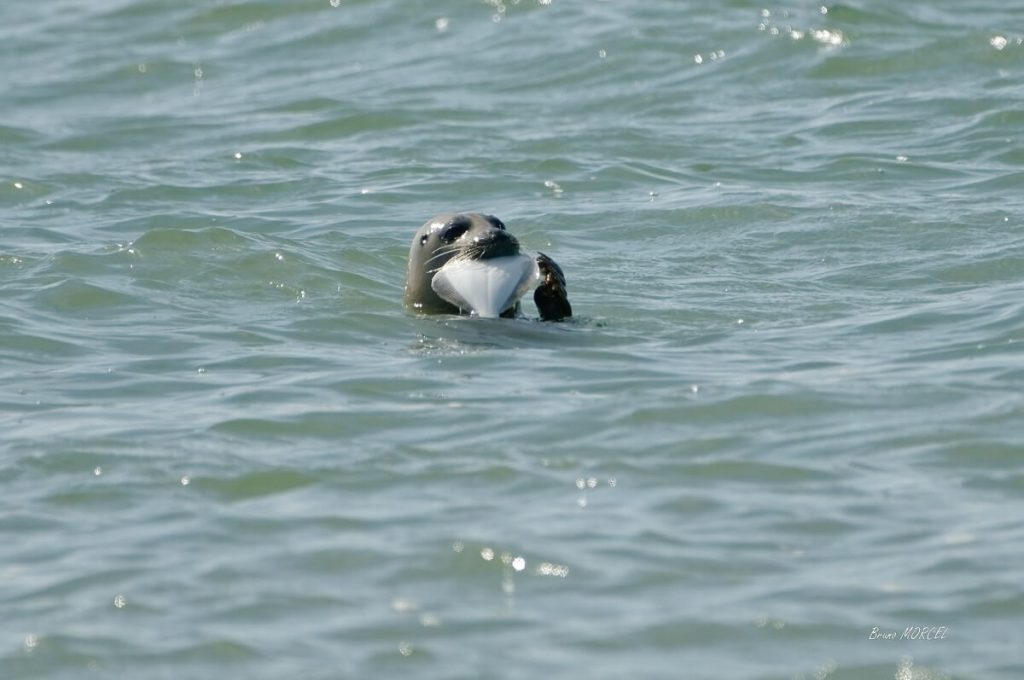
(827, 37)
(31, 642)
(403, 605)
(551, 569)
(429, 621)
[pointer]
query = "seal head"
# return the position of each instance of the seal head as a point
(469, 263)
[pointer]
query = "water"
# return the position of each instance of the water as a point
(785, 426)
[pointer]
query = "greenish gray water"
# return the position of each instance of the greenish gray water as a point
(788, 413)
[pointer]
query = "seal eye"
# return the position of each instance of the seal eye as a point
(424, 239)
(495, 222)
(455, 229)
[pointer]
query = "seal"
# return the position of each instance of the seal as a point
(468, 263)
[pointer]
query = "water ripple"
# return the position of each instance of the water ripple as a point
(787, 413)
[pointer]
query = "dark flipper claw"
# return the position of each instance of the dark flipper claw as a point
(550, 297)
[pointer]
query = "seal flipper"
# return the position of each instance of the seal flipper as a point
(550, 297)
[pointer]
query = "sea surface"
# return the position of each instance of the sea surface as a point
(782, 437)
